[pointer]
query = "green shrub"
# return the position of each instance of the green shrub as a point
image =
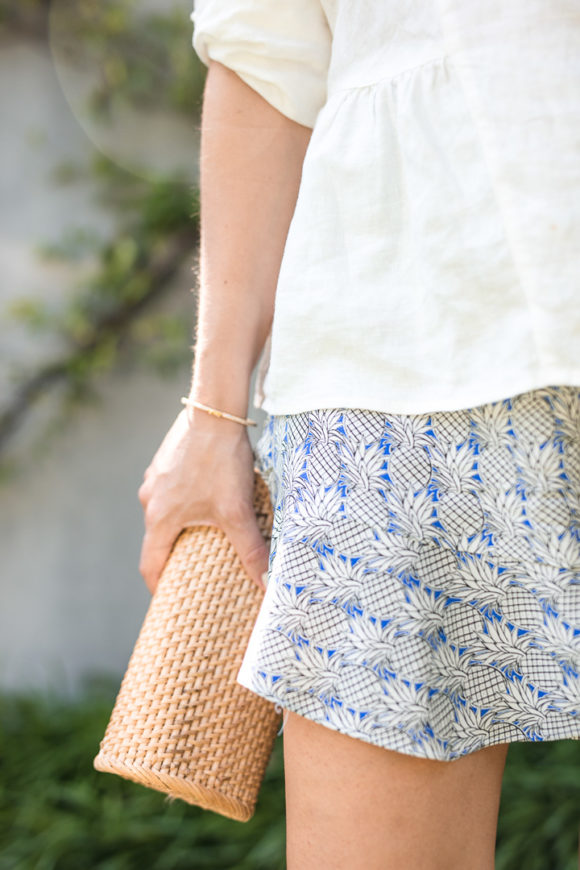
(539, 820)
(58, 813)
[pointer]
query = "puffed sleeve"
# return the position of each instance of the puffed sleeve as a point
(281, 48)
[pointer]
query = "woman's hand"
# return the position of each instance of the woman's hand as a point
(250, 169)
(202, 473)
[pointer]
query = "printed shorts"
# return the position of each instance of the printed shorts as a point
(424, 574)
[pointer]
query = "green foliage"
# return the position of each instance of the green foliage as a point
(539, 823)
(144, 58)
(149, 213)
(112, 315)
(58, 813)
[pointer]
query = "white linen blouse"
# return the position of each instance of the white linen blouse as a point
(433, 257)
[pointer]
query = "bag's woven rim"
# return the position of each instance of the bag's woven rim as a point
(176, 787)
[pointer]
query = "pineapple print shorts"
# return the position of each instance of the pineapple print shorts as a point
(423, 585)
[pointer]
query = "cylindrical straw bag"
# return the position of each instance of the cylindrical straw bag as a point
(181, 724)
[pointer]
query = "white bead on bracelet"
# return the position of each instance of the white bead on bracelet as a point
(246, 421)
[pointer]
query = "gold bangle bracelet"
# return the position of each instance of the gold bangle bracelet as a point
(245, 421)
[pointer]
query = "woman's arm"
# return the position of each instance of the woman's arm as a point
(250, 167)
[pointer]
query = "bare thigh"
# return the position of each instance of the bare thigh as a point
(350, 804)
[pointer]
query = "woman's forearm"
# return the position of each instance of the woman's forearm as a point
(250, 166)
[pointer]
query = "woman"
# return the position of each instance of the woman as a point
(389, 213)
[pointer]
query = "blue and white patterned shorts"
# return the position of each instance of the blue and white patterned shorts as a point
(424, 576)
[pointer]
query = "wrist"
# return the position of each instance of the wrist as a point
(217, 412)
(217, 400)
(225, 390)
(206, 425)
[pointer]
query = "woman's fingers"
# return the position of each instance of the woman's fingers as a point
(155, 549)
(241, 527)
(239, 524)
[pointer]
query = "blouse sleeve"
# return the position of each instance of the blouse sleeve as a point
(279, 48)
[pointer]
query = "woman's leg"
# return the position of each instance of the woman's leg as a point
(354, 806)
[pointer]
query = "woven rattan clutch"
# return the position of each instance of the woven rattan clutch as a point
(181, 723)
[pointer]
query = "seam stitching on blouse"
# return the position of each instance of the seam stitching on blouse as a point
(388, 78)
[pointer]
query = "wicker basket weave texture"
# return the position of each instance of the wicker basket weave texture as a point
(181, 723)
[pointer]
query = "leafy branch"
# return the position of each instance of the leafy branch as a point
(104, 317)
(142, 59)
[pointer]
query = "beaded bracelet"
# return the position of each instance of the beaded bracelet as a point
(246, 421)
